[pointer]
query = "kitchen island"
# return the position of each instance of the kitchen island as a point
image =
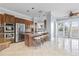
(35, 39)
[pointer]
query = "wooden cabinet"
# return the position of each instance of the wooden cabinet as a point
(28, 39)
(27, 22)
(1, 28)
(6, 18)
(24, 21)
(19, 20)
(9, 19)
(1, 18)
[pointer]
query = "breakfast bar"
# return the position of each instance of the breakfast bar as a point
(35, 39)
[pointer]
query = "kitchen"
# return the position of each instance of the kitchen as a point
(14, 30)
(42, 32)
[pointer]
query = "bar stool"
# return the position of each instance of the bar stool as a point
(37, 41)
(46, 37)
(42, 39)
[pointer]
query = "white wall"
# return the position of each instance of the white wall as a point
(49, 24)
(53, 28)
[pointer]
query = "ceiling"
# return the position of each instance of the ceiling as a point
(40, 9)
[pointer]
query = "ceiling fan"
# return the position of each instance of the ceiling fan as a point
(74, 13)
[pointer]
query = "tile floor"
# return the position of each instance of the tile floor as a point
(19, 49)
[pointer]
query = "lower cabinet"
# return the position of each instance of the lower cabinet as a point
(28, 39)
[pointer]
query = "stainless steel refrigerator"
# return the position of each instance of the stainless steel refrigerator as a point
(20, 30)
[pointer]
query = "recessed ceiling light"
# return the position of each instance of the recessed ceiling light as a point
(33, 8)
(40, 11)
(28, 11)
(43, 15)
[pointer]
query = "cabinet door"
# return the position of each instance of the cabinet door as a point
(19, 20)
(1, 28)
(9, 18)
(1, 18)
(12, 19)
(28, 22)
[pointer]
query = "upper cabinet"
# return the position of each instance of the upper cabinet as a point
(9, 19)
(1, 18)
(19, 20)
(28, 22)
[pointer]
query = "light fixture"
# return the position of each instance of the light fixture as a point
(70, 14)
(28, 11)
(43, 15)
(33, 8)
(40, 11)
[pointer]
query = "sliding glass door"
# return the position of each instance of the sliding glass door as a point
(67, 28)
(68, 36)
(74, 33)
(67, 41)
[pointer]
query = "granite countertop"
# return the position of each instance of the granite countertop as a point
(39, 34)
(36, 34)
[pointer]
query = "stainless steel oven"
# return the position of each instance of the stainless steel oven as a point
(9, 28)
(9, 35)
